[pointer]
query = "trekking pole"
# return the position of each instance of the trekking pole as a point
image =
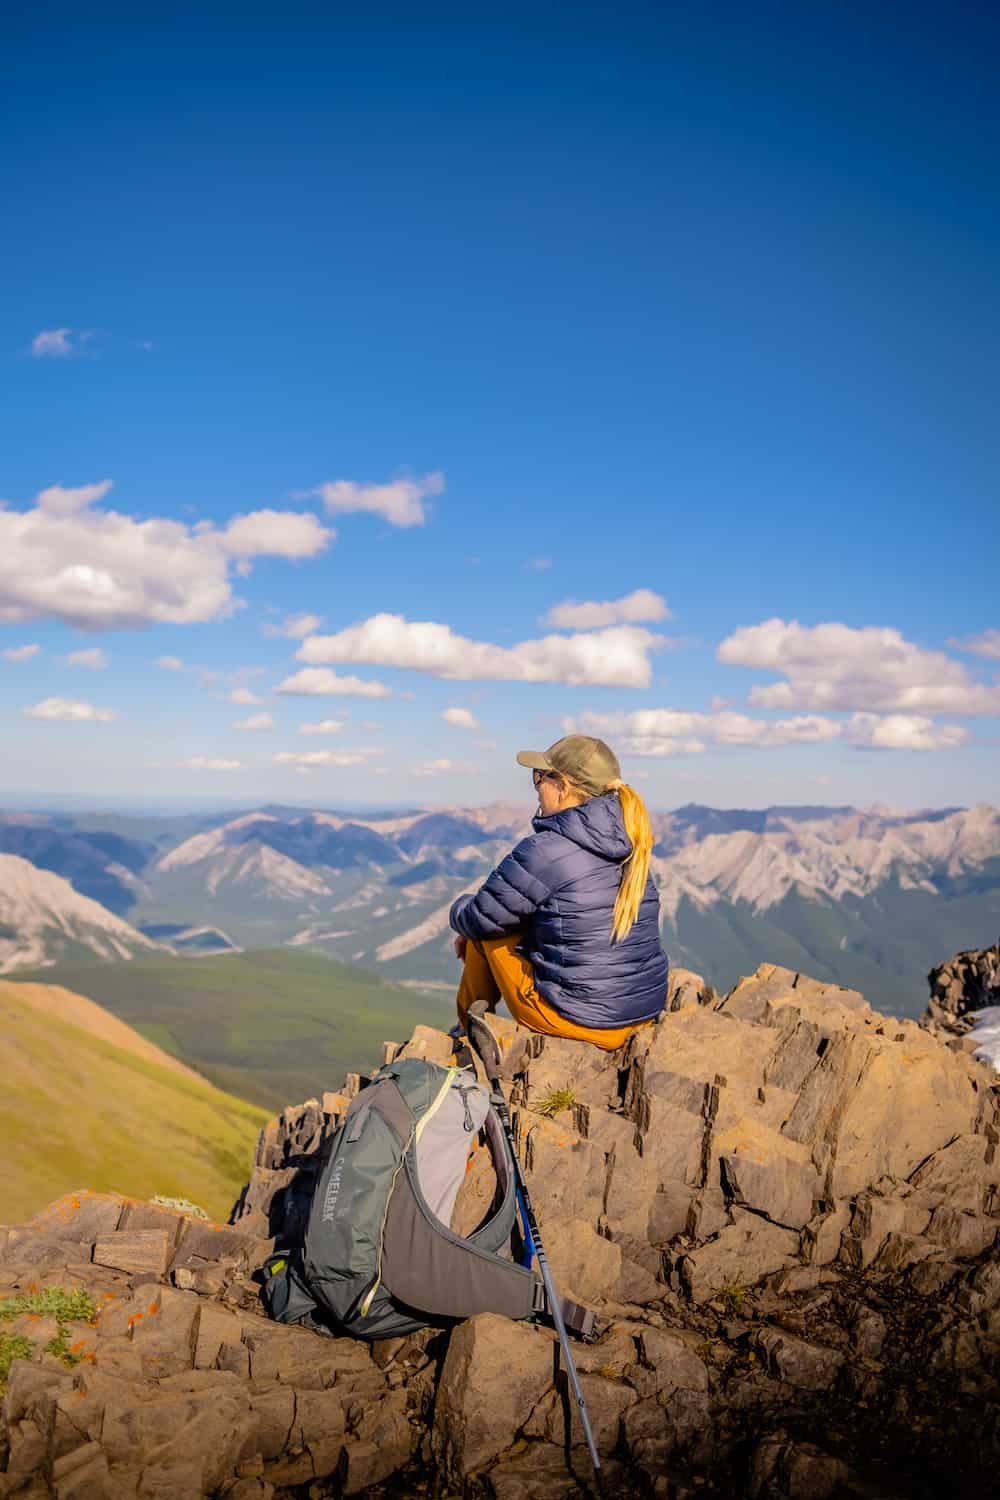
(485, 1044)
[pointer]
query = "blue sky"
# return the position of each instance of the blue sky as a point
(472, 315)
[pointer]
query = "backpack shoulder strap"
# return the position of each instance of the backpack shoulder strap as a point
(382, 1095)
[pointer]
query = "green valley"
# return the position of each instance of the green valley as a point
(273, 1025)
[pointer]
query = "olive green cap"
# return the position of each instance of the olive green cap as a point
(587, 762)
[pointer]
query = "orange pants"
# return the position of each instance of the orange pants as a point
(494, 970)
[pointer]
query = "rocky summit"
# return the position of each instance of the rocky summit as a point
(783, 1205)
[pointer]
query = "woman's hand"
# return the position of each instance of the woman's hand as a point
(461, 943)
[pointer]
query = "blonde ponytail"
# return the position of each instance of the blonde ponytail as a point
(635, 870)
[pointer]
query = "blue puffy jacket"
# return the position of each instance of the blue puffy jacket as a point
(559, 886)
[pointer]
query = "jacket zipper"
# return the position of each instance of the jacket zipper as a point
(414, 1135)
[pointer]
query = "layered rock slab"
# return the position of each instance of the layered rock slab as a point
(784, 1205)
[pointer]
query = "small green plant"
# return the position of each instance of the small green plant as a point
(706, 1351)
(733, 1297)
(182, 1205)
(59, 1347)
(12, 1346)
(53, 1302)
(554, 1103)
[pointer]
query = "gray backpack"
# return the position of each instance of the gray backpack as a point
(379, 1259)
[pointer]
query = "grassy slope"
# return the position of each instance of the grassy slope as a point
(272, 1025)
(77, 1010)
(77, 1111)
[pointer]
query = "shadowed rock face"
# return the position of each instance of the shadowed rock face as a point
(784, 1206)
(968, 982)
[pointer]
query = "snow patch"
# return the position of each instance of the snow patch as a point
(986, 1034)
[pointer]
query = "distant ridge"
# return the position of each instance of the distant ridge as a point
(42, 918)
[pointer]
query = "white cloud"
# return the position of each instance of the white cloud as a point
(656, 732)
(401, 502)
(67, 500)
(20, 653)
(872, 669)
(987, 644)
(617, 657)
(538, 564)
(631, 609)
(169, 663)
(94, 659)
(52, 341)
(369, 726)
(353, 757)
(903, 732)
(321, 682)
(255, 722)
(105, 570)
(324, 726)
(653, 732)
(275, 533)
(441, 766)
(294, 627)
(211, 763)
(69, 709)
(671, 731)
(461, 718)
(243, 696)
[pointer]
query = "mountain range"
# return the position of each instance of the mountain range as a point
(867, 897)
(44, 919)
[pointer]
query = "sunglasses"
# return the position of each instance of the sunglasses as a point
(537, 777)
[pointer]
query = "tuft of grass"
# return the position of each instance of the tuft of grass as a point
(183, 1205)
(706, 1351)
(554, 1103)
(12, 1346)
(59, 1347)
(54, 1302)
(733, 1297)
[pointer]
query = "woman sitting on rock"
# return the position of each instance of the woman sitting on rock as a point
(567, 929)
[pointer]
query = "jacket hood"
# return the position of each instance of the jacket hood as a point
(596, 825)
